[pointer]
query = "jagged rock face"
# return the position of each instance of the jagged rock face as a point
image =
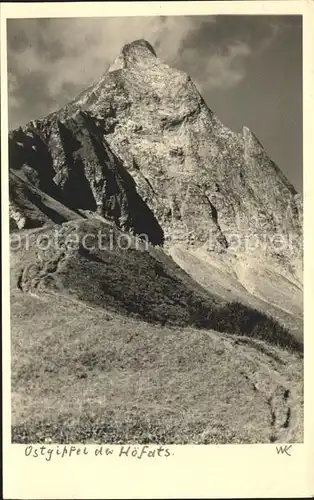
(196, 182)
(70, 160)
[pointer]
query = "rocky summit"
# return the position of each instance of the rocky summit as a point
(193, 332)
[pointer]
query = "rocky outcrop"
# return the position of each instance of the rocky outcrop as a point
(71, 161)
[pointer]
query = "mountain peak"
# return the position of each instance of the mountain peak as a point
(141, 47)
(138, 51)
(145, 150)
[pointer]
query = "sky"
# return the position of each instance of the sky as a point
(247, 68)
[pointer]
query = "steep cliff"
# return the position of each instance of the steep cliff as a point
(70, 160)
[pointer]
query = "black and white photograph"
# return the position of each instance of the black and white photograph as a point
(156, 234)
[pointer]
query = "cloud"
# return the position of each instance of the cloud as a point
(51, 60)
(227, 69)
(266, 42)
(66, 55)
(222, 68)
(14, 101)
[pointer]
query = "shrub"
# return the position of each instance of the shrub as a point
(239, 319)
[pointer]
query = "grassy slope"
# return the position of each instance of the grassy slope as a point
(95, 371)
(81, 374)
(38, 207)
(144, 283)
(228, 287)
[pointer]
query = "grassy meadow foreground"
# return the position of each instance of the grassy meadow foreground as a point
(83, 374)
